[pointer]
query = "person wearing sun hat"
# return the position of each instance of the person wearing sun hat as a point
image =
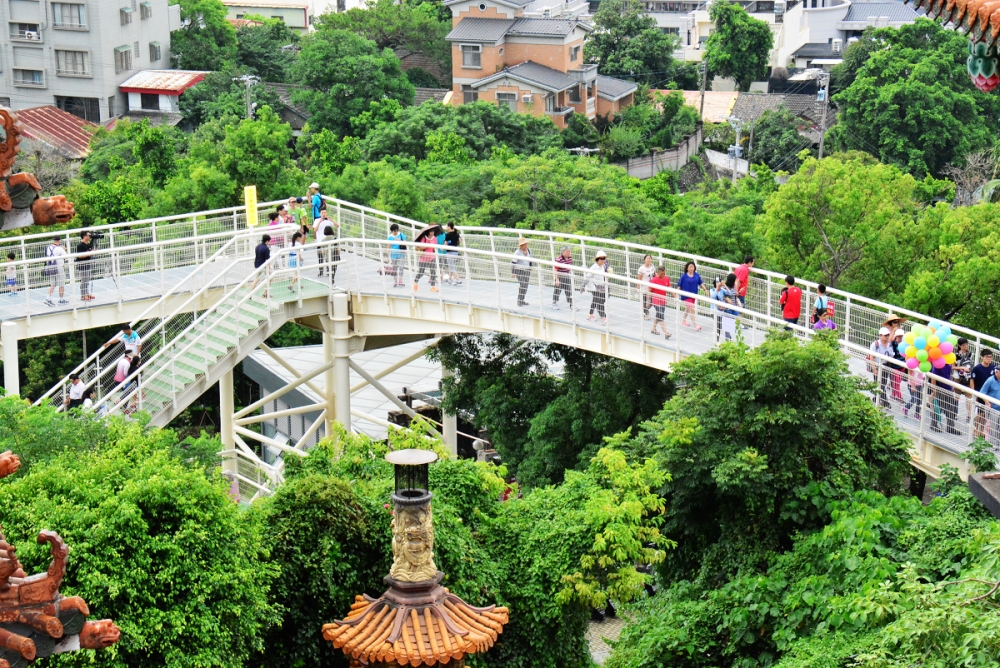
(597, 278)
(520, 269)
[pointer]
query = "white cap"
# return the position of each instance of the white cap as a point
(885, 331)
(314, 185)
(898, 332)
(600, 253)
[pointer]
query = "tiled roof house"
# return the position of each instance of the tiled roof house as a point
(503, 52)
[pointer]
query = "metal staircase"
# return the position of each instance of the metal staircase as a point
(230, 310)
(168, 316)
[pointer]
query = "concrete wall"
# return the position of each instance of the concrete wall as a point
(673, 159)
(98, 38)
(294, 17)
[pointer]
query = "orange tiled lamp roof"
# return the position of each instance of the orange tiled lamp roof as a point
(35, 619)
(416, 621)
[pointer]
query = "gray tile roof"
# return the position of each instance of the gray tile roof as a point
(612, 89)
(427, 94)
(815, 50)
(896, 11)
(557, 27)
(750, 106)
(533, 73)
(480, 30)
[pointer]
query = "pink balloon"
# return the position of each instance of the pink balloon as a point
(938, 363)
(946, 347)
(912, 362)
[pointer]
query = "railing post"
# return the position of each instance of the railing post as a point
(496, 281)
(847, 320)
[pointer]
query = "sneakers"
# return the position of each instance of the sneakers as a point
(49, 302)
(590, 317)
(434, 289)
(63, 301)
(415, 287)
(555, 307)
(604, 321)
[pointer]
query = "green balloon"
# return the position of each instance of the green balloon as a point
(925, 367)
(922, 355)
(952, 339)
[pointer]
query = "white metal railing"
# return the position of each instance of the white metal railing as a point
(858, 318)
(930, 408)
(160, 322)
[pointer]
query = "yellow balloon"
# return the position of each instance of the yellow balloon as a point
(950, 358)
(911, 351)
(933, 342)
(910, 337)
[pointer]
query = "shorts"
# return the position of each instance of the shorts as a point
(689, 300)
(57, 279)
(659, 308)
(11, 282)
(293, 262)
(742, 300)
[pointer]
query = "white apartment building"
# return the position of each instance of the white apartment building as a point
(806, 32)
(76, 54)
(296, 14)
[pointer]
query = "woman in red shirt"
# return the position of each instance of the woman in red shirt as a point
(659, 299)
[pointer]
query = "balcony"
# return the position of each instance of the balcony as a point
(69, 25)
(29, 78)
(585, 74)
(559, 111)
(591, 105)
(26, 35)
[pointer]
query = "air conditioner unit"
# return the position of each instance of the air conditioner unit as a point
(527, 98)
(30, 34)
(838, 45)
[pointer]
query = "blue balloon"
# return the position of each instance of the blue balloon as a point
(920, 343)
(934, 324)
(943, 332)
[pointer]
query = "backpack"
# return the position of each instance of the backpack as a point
(50, 266)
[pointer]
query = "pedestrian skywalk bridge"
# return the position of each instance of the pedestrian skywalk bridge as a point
(188, 286)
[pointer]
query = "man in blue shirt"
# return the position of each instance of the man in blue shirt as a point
(316, 199)
(981, 373)
(396, 254)
(991, 388)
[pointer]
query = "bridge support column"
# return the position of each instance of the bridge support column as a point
(449, 421)
(11, 378)
(226, 410)
(342, 360)
(329, 383)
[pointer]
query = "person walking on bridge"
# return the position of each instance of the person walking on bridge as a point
(83, 265)
(597, 277)
(520, 269)
(658, 299)
(690, 283)
(645, 275)
(563, 279)
(55, 271)
(743, 279)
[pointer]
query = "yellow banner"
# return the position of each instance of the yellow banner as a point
(250, 197)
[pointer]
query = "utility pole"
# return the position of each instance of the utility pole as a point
(826, 104)
(704, 78)
(736, 150)
(248, 81)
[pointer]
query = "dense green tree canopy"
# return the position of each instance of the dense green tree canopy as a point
(740, 47)
(911, 103)
(626, 43)
(776, 140)
(343, 73)
(206, 38)
(267, 50)
(412, 26)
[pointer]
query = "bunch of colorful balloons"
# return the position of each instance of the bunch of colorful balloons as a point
(930, 346)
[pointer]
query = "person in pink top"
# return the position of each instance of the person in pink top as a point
(658, 299)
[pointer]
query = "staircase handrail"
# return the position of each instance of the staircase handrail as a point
(265, 270)
(239, 236)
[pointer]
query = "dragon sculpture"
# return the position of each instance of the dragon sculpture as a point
(20, 202)
(980, 20)
(35, 619)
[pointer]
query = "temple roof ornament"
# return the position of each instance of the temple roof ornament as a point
(416, 621)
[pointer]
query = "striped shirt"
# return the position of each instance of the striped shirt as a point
(563, 260)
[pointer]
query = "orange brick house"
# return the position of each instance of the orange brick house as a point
(529, 59)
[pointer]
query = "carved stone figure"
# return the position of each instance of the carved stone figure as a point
(412, 544)
(37, 621)
(20, 202)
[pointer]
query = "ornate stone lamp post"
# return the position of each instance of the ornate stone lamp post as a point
(416, 621)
